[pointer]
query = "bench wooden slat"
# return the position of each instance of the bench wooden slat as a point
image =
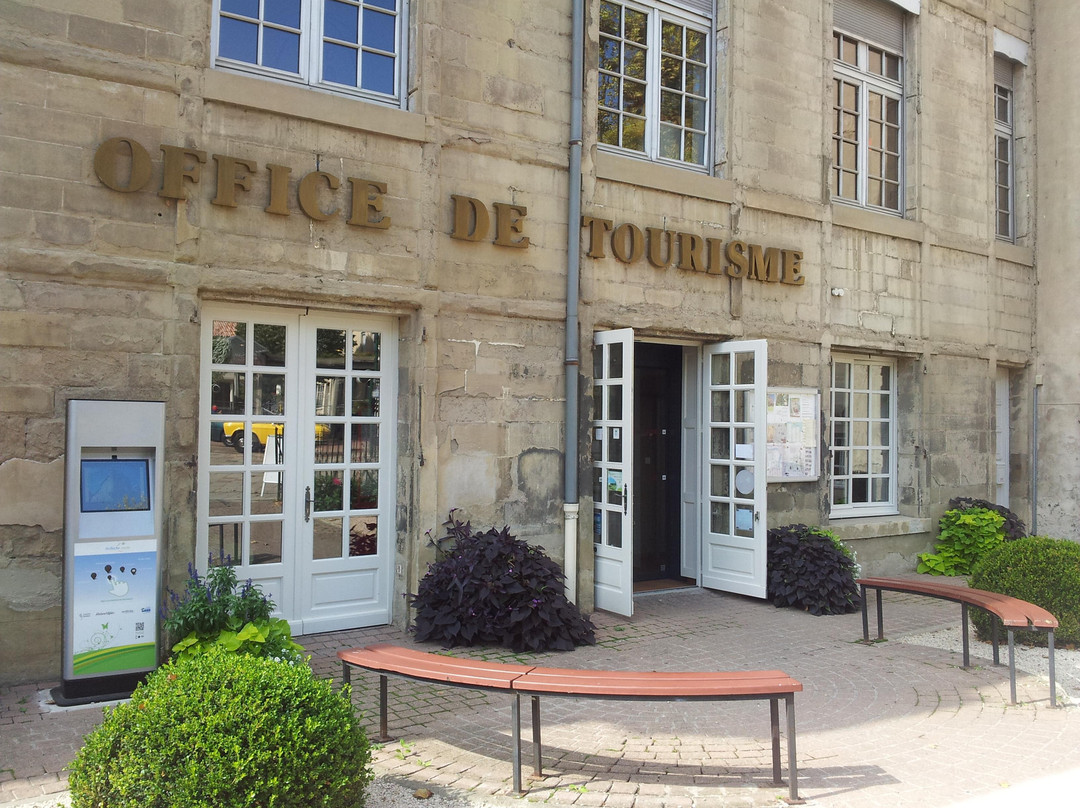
(434, 667)
(1012, 611)
(654, 685)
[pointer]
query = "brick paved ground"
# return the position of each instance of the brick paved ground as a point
(887, 724)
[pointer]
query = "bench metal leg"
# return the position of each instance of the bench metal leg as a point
(538, 765)
(384, 734)
(880, 618)
(793, 766)
(1012, 670)
(774, 727)
(1050, 645)
(964, 632)
(865, 620)
(515, 724)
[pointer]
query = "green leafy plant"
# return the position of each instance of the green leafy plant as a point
(493, 589)
(1040, 570)
(810, 568)
(215, 611)
(965, 537)
(227, 730)
(1013, 527)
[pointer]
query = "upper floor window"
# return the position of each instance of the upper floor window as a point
(348, 46)
(655, 63)
(1004, 162)
(863, 432)
(868, 94)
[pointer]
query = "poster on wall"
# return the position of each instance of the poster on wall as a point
(113, 615)
(792, 442)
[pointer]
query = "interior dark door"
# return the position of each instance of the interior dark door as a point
(657, 461)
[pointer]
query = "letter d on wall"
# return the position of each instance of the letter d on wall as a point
(471, 219)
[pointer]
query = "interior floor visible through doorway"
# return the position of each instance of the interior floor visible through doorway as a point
(659, 584)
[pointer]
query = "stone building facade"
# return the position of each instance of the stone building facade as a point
(775, 262)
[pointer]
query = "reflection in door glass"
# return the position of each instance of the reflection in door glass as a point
(721, 406)
(367, 349)
(720, 517)
(326, 538)
(229, 346)
(265, 543)
(720, 444)
(226, 493)
(224, 542)
(615, 363)
(744, 405)
(721, 369)
(363, 535)
(720, 485)
(744, 368)
(327, 495)
(614, 406)
(330, 349)
(269, 394)
(598, 362)
(269, 347)
(329, 443)
(226, 393)
(267, 490)
(329, 395)
(614, 444)
(365, 443)
(365, 397)
(364, 489)
(614, 529)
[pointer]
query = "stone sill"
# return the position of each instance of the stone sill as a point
(880, 527)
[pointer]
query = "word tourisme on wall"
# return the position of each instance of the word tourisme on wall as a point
(124, 165)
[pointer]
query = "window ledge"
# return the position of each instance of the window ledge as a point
(874, 222)
(646, 174)
(311, 104)
(849, 528)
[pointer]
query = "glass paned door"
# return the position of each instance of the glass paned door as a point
(296, 466)
(346, 521)
(734, 517)
(612, 453)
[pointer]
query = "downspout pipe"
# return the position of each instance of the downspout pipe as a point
(573, 274)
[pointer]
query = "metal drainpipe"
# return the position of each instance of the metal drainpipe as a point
(1035, 458)
(573, 271)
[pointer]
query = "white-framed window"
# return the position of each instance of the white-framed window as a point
(1004, 151)
(868, 101)
(354, 47)
(653, 94)
(863, 436)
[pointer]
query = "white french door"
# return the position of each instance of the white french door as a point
(296, 460)
(733, 497)
(613, 471)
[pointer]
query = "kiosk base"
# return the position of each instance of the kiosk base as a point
(108, 688)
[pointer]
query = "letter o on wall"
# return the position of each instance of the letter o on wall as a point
(628, 243)
(107, 161)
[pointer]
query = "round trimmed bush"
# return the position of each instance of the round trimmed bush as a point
(226, 730)
(1040, 570)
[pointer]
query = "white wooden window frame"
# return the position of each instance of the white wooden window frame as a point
(658, 13)
(841, 473)
(311, 55)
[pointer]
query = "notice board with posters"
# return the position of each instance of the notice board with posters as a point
(793, 430)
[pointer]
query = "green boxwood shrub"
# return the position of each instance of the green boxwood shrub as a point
(809, 568)
(229, 731)
(965, 536)
(1040, 570)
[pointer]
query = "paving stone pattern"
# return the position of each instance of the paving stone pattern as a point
(887, 723)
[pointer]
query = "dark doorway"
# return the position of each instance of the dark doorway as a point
(657, 461)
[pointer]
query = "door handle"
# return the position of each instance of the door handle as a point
(626, 499)
(307, 503)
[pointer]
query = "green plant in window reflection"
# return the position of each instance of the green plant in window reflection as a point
(363, 491)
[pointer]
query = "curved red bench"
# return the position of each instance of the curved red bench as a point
(534, 681)
(1012, 612)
